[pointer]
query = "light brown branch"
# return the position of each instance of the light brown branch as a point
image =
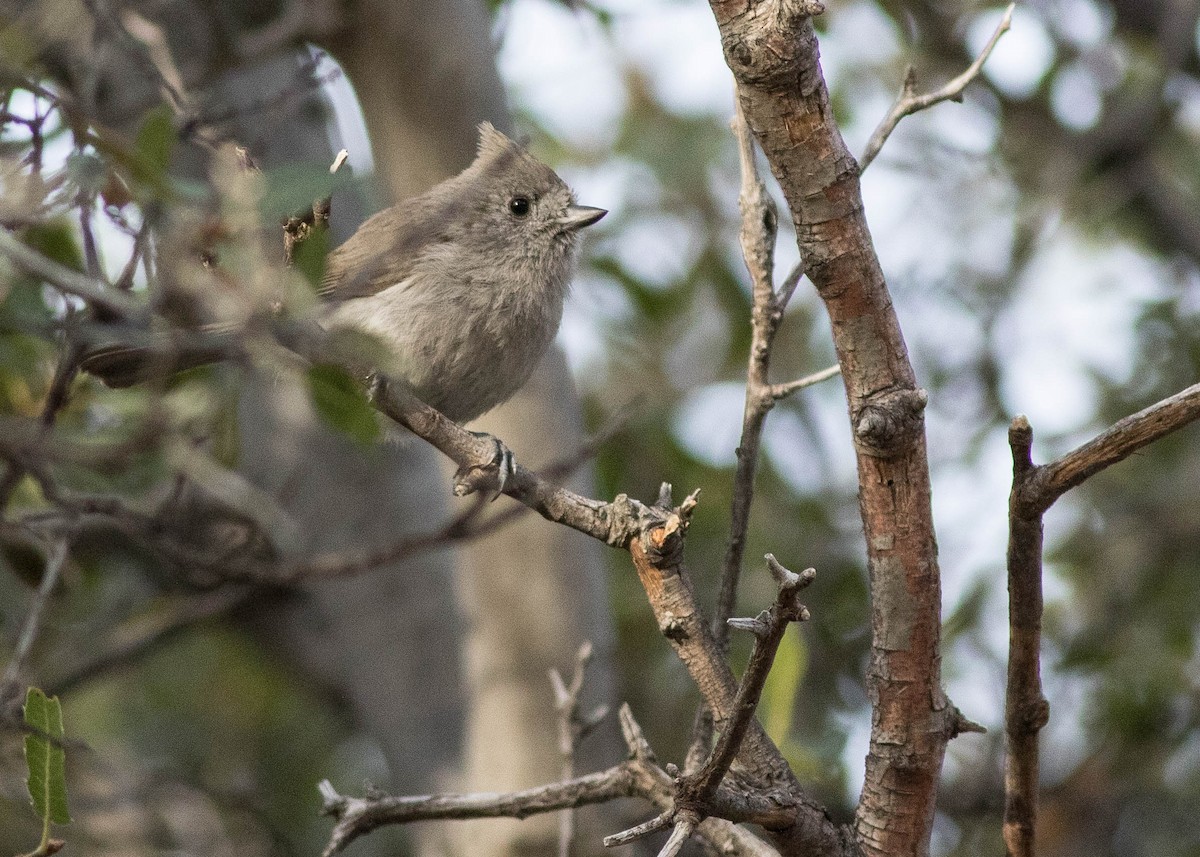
(771, 48)
(658, 561)
(358, 816)
(1117, 443)
(910, 102)
(1034, 490)
(758, 248)
(573, 727)
(782, 391)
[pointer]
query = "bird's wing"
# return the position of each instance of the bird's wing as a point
(385, 249)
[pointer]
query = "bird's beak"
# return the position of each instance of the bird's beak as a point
(579, 216)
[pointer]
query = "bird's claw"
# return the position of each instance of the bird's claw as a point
(491, 476)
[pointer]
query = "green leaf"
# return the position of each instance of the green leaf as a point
(342, 403)
(45, 758)
(153, 146)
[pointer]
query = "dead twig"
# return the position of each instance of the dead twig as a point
(1035, 488)
(573, 726)
(910, 102)
(33, 619)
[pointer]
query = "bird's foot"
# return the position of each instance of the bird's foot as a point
(491, 475)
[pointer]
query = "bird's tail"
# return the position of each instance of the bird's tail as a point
(126, 365)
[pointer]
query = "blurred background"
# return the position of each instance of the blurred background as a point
(1042, 246)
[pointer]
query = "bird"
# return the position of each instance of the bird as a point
(463, 285)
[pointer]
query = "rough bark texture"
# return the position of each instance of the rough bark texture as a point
(1025, 709)
(772, 50)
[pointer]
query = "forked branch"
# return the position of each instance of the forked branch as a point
(1034, 490)
(910, 101)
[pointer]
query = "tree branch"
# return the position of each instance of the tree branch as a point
(9, 687)
(573, 727)
(909, 102)
(357, 816)
(638, 776)
(1118, 442)
(758, 249)
(768, 629)
(771, 48)
(94, 292)
(124, 649)
(1034, 490)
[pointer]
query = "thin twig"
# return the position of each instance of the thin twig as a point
(125, 280)
(639, 831)
(788, 287)
(186, 614)
(573, 727)
(357, 816)
(782, 391)
(1116, 443)
(910, 102)
(768, 629)
(33, 619)
(758, 240)
(71, 282)
(91, 253)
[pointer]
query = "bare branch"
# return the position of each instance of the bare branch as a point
(639, 747)
(788, 287)
(573, 727)
(782, 391)
(165, 625)
(633, 834)
(357, 816)
(1117, 443)
(1034, 490)
(70, 282)
(33, 619)
(758, 245)
(684, 827)
(768, 630)
(909, 102)
(1026, 711)
(614, 523)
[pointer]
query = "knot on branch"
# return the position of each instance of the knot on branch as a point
(1035, 715)
(775, 47)
(890, 422)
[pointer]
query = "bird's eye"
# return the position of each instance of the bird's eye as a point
(519, 205)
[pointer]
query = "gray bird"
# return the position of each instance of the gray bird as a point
(464, 284)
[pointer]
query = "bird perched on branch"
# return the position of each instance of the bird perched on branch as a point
(464, 284)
